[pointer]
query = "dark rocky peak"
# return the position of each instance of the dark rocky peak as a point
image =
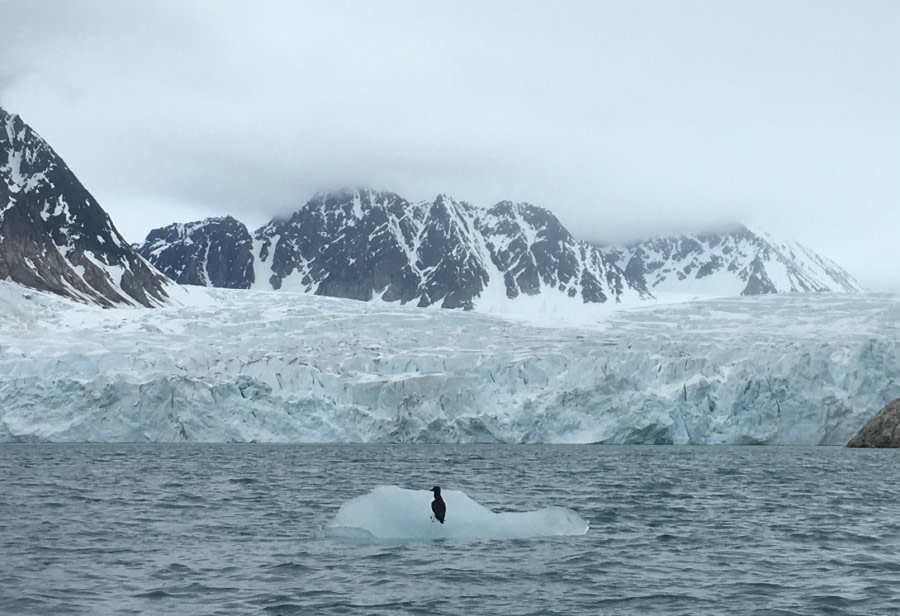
(449, 216)
(330, 212)
(226, 226)
(508, 218)
(25, 158)
(345, 244)
(214, 252)
(450, 255)
(537, 253)
(55, 237)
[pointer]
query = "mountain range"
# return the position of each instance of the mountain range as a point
(366, 245)
(363, 245)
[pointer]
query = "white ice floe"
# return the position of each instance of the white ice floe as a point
(395, 513)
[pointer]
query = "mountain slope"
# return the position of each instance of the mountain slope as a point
(537, 254)
(215, 252)
(364, 245)
(734, 262)
(344, 246)
(55, 237)
(448, 253)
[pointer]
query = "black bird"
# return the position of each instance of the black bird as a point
(437, 505)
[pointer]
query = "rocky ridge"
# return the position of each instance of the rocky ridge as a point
(55, 237)
(365, 244)
(216, 252)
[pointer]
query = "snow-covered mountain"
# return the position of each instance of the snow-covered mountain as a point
(216, 252)
(364, 244)
(734, 262)
(270, 366)
(537, 255)
(53, 234)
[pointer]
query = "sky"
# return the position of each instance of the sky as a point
(626, 119)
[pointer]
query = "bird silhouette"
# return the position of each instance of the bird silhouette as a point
(438, 507)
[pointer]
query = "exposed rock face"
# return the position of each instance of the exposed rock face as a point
(352, 245)
(448, 253)
(535, 252)
(364, 245)
(883, 430)
(216, 252)
(53, 234)
(734, 262)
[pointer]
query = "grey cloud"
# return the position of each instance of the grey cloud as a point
(623, 118)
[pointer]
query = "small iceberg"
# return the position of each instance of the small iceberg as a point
(395, 513)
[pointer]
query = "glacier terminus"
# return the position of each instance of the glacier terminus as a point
(235, 366)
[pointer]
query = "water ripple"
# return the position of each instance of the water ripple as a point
(175, 529)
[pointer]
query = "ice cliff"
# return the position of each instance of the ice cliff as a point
(275, 366)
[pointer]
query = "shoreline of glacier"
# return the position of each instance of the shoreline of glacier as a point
(240, 366)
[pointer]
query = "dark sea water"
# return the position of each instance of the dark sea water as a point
(244, 529)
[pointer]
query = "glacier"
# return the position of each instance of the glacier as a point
(222, 365)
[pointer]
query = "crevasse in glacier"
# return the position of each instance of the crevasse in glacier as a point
(264, 366)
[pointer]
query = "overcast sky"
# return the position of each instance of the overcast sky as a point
(624, 118)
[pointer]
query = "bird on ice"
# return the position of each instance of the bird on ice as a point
(438, 507)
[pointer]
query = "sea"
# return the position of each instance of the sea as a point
(251, 529)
